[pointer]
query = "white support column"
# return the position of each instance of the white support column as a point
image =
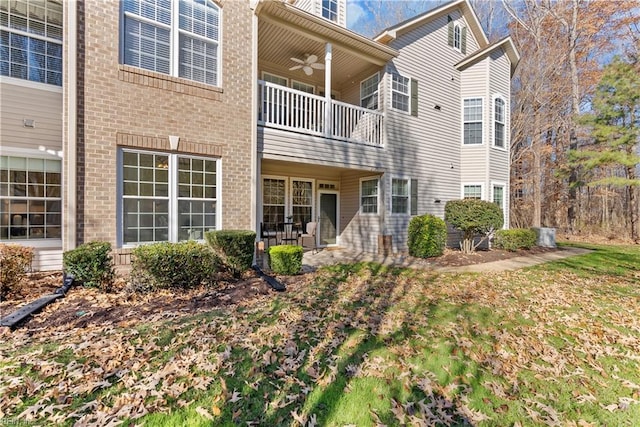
(328, 125)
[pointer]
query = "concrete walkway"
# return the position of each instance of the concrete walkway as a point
(311, 261)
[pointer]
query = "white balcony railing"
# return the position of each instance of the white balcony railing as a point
(289, 109)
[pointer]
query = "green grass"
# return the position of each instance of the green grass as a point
(358, 345)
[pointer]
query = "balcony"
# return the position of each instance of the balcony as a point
(292, 110)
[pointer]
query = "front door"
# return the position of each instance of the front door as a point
(328, 220)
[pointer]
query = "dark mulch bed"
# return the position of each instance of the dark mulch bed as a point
(83, 307)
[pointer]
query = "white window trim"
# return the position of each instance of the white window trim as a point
(30, 84)
(173, 197)
(303, 84)
(458, 27)
(469, 184)
(45, 154)
(290, 199)
(377, 91)
(462, 121)
(493, 123)
(403, 178)
(266, 73)
(369, 178)
(392, 91)
(504, 199)
(175, 37)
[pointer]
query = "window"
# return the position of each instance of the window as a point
(273, 200)
(301, 201)
(498, 196)
(473, 121)
(31, 40)
(404, 196)
(400, 92)
(498, 123)
(302, 87)
(330, 10)
(177, 39)
(456, 36)
(472, 192)
(369, 196)
(30, 198)
(149, 214)
(369, 92)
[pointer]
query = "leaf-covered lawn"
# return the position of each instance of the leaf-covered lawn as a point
(355, 345)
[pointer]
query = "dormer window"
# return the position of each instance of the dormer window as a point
(330, 10)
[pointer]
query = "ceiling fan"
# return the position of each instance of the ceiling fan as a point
(307, 64)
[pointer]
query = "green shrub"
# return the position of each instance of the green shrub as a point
(15, 260)
(427, 236)
(517, 238)
(473, 217)
(235, 248)
(91, 264)
(285, 259)
(172, 265)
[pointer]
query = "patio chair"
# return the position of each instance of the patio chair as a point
(268, 232)
(310, 232)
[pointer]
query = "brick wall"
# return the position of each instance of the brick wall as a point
(120, 105)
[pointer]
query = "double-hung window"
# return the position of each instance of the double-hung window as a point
(498, 123)
(369, 92)
(472, 121)
(472, 191)
(404, 196)
(176, 37)
(369, 195)
(31, 40)
(400, 93)
(167, 197)
(330, 10)
(498, 196)
(30, 198)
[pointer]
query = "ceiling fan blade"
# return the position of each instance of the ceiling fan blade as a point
(311, 59)
(299, 61)
(296, 67)
(317, 66)
(307, 70)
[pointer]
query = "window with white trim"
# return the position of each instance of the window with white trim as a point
(369, 195)
(303, 87)
(176, 37)
(457, 35)
(330, 10)
(472, 121)
(404, 196)
(497, 191)
(473, 191)
(498, 123)
(150, 213)
(369, 92)
(301, 201)
(274, 200)
(400, 93)
(30, 198)
(31, 40)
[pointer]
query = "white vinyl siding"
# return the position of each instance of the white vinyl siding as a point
(179, 38)
(31, 40)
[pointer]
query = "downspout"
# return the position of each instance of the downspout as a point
(255, 158)
(328, 125)
(70, 117)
